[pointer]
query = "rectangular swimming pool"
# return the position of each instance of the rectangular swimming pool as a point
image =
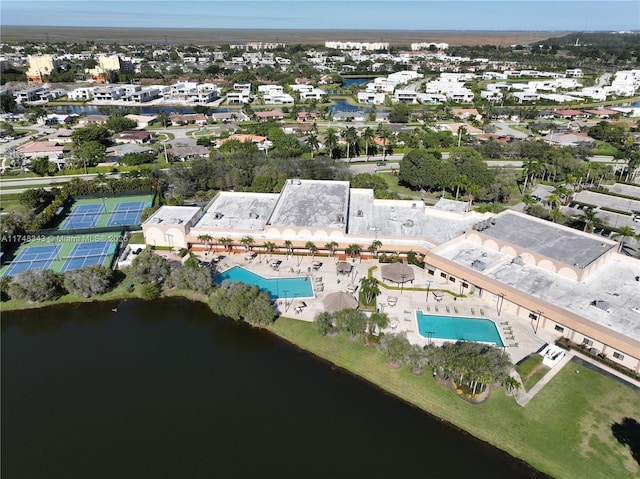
(276, 288)
(453, 328)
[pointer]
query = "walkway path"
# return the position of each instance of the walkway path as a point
(523, 397)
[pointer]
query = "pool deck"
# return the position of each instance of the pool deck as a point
(402, 314)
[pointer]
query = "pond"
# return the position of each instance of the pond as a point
(166, 389)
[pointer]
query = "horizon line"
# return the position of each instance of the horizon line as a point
(329, 29)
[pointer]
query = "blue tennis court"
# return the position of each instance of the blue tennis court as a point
(83, 216)
(34, 257)
(126, 213)
(87, 254)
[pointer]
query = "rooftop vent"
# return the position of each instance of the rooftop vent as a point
(482, 225)
(413, 205)
(340, 219)
(217, 216)
(518, 260)
(253, 215)
(296, 181)
(360, 213)
(408, 223)
(479, 265)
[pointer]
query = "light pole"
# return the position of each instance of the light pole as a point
(429, 281)
(499, 303)
(286, 305)
(402, 276)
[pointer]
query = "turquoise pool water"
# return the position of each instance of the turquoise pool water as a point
(458, 329)
(276, 288)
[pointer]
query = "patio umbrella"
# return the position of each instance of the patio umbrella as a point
(339, 301)
(343, 267)
(397, 272)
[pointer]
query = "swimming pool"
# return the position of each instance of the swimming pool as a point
(276, 288)
(458, 328)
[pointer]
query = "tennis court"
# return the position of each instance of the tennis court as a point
(126, 213)
(106, 211)
(86, 254)
(35, 257)
(83, 216)
(64, 252)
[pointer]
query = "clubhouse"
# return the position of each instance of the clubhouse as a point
(573, 284)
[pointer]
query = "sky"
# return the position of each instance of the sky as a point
(526, 15)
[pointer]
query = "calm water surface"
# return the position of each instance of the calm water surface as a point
(166, 389)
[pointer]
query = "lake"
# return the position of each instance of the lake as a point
(167, 389)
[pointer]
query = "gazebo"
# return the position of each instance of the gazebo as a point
(397, 273)
(339, 301)
(343, 267)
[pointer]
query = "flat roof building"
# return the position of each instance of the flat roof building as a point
(569, 283)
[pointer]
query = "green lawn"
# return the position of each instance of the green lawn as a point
(603, 148)
(392, 183)
(565, 430)
(136, 238)
(534, 377)
(530, 364)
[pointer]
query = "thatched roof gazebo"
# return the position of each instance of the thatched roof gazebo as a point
(397, 273)
(339, 301)
(343, 267)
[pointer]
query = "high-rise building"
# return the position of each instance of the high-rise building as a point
(39, 67)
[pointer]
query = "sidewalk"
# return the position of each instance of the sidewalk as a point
(523, 397)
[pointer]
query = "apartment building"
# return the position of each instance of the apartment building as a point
(39, 67)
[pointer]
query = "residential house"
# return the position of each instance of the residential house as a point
(189, 118)
(261, 142)
(269, 115)
(134, 136)
(466, 113)
(93, 120)
(39, 149)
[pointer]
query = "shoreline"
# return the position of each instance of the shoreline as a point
(318, 356)
(492, 425)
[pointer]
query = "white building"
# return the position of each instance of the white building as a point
(369, 98)
(357, 45)
(81, 94)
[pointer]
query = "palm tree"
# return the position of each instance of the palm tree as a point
(369, 289)
(330, 141)
(385, 133)
(310, 245)
(247, 242)
(353, 250)
(528, 201)
(331, 246)
(375, 320)
(460, 181)
(227, 243)
(312, 143)
(288, 245)
(590, 218)
(351, 136)
(623, 233)
(511, 384)
(553, 201)
(270, 246)
(367, 136)
(206, 239)
(374, 247)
